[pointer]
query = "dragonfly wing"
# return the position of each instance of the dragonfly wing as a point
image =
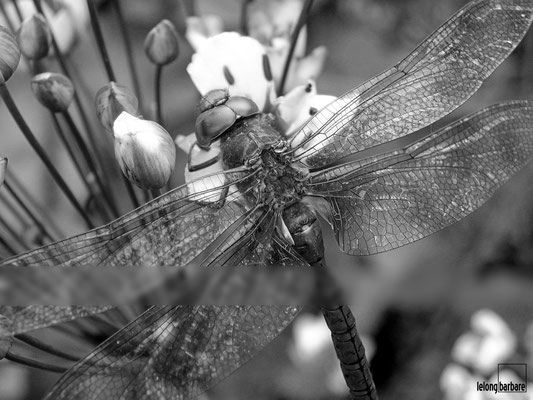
(397, 198)
(173, 352)
(437, 77)
(171, 230)
(28, 318)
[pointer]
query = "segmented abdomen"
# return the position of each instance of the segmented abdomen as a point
(351, 352)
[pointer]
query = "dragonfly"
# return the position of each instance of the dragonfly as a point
(261, 210)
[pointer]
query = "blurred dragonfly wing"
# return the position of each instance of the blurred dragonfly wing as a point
(173, 352)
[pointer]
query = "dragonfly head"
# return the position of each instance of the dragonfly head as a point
(218, 113)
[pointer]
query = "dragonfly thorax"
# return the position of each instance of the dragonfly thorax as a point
(257, 144)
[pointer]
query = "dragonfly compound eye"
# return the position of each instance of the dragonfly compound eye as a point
(243, 106)
(212, 123)
(212, 99)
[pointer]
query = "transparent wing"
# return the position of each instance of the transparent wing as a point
(173, 352)
(397, 198)
(27, 318)
(437, 77)
(170, 231)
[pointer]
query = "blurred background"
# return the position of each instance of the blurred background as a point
(412, 304)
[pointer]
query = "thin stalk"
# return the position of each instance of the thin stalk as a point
(131, 191)
(110, 75)
(157, 91)
(35, 218)
(66, 71)
(34, 363)
(97, 30)
(5, 244)
(13, 109)
(28, 200)
(14, 211)
(91, 163)
(6, 17)
(82, 339)
(302, 20)
(190, 7)
(70, 151)
(36, 343)
(129, 50)
(17, 9)
(22, 244)
(244, 16)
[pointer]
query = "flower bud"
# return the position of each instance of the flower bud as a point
(161, 44)
(3, 167)
(145, 151)
(53, 90)
(112, 100)
(9, 54)
(34, 37)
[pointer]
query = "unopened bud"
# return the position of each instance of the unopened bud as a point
(161, 44)
(9, 54)
(144, 150)
(54, 91)
(3, 168)
(34, 37)
(112, 100)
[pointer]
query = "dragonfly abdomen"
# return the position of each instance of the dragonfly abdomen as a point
(350, 351)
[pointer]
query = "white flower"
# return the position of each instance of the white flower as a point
(487, 322)
(489, 343)
(298, 106)
(456, 382)
(273, 23)
(233, 62)
(144, 150)
(199, 29)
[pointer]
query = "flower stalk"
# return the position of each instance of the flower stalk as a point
(66, 71)
(34, 217)
(129, 49)
(30, 137)
(302, 20)
(97, 30)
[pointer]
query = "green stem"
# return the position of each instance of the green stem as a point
(158, 111)
(35, 218)
(129, 50)
(6, 17)
(29, 200)
(70, 151)
(67, 73)
(22, 244)
(34, 363)
(244, 16)
(100, 40)
(34, 342)
(26, 131)
(91, 163)
(302, 19)
(17, 9)
(5, 244)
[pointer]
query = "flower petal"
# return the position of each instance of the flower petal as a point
(298, 106)
(232, 61)
(199, 29)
